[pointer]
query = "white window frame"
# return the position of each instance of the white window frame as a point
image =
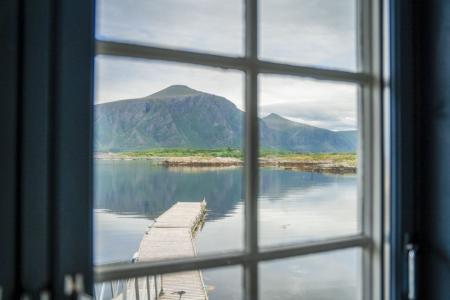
(370, 154)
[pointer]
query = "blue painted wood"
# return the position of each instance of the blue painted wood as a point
(420, 47)
(34, 155)
(435, 206)
(46, 152)
(405, 133)
(71, 142)
(9, 52)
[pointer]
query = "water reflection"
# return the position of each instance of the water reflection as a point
(138, 187)
(333, 275)
(293, 206)
(300, 206)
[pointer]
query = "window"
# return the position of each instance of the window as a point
(355, 70)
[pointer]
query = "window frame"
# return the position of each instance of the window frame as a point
(371, 178)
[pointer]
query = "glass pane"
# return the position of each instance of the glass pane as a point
(214, 284)
(328, 276)
(321, 33)
(168, 167)
(308, 160)
(223, 283)
(202, 25)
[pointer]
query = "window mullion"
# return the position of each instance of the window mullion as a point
(251, 149)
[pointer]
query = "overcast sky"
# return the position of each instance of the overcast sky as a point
(312, 32)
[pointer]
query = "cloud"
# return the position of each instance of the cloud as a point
(312, 32)
(125, 78)
(320, 103)
(202, 25)
(342, 118)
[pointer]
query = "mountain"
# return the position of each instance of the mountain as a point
(300, 137)
(174, 117)
(179, 116)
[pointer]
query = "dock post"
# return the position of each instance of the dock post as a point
(136, 287)
(148, 287)
(155, 277)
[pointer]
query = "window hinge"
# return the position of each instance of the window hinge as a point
(74, 286)
(411, 253)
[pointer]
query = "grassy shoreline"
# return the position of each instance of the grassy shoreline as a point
(315, 162)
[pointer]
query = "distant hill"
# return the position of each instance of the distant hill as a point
(294, 136)
(179, 116)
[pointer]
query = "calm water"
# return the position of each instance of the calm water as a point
(294, 206)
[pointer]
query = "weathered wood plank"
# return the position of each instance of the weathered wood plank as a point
(181, 214)
(171, 236)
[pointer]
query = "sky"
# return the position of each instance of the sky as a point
(319, 33)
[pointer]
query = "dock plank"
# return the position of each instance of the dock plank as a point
(181, 214)
(171, 236)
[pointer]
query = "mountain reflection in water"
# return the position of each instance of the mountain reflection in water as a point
(293, 206)
(138, 187)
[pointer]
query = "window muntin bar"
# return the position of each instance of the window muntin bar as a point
(119, 271)
(227, 62)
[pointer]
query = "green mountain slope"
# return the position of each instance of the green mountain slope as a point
(179, 116)
(294, 136)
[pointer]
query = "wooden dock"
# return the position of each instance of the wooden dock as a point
(171, 236)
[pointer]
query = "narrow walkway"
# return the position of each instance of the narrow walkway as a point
(171, 236)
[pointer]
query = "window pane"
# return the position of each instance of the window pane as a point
(224, 283)
(215, 284)
(308, 160)
(335, 275)
(202, 25)
(172, 141)
(311, 32)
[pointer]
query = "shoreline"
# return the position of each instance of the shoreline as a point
(319, 165)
